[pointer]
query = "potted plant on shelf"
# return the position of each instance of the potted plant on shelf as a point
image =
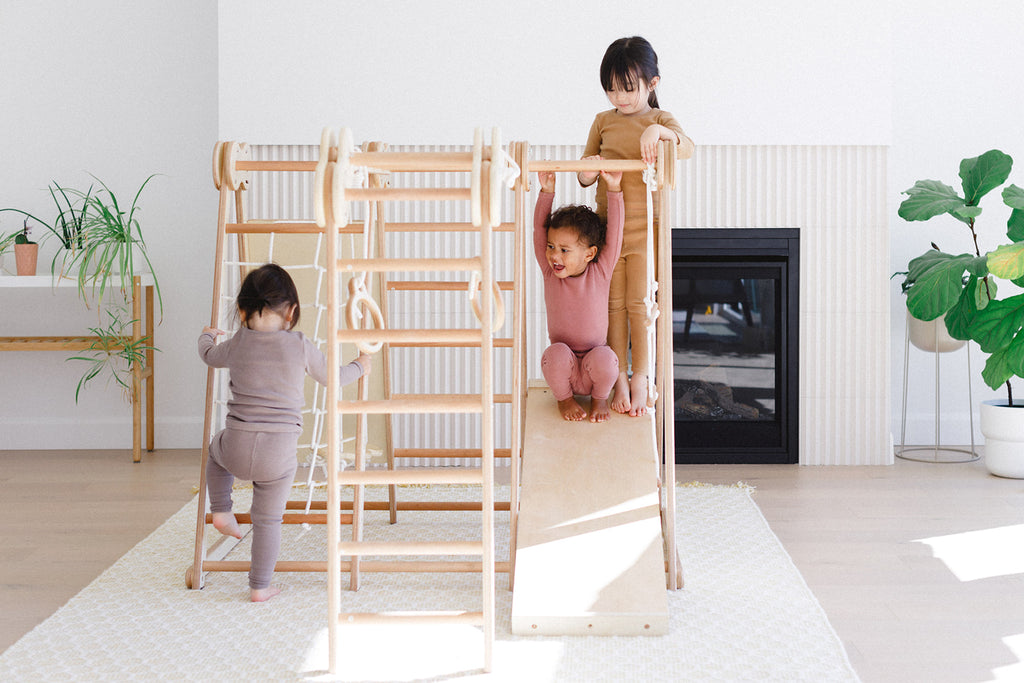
(67, 227)
(26, 252)
(963, 288)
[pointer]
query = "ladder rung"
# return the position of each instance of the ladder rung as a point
(424, 162)
(411, 337)
(361, 548)
(502, 343)
(443, 227)
(495, 398)
(448, 452)
(264, 227)
(373, 566)
(410, 505)
(424, 403)
(290, 518)
(470, 618)
(418, 476)
(438, 286)
(407, 265)
(379, 194)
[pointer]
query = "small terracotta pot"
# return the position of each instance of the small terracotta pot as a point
(26, 256)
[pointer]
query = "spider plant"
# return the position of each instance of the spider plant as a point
(112, 243)
(114, 350)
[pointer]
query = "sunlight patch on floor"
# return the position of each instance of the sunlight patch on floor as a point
(981, 554)
(1012, 672)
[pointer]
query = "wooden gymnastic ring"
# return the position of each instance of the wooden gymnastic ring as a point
(358, 297)
(233, 153)
(474, 178)
(499, 309)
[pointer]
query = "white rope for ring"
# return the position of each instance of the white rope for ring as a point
(650, 300)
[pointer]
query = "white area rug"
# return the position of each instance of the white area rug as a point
(745, 614)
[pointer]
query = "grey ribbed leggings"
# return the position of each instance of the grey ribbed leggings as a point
(267, 459)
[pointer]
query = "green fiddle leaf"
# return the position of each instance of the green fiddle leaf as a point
(1013, 197)
(927, 199)
(1014, 354)
(965, 213)
(961, 316)
(980, 175)
(1015, 225)
(1007, 261)
(997, 370)
(978, 265)
(994, 327)
(935, 283)
(984, 292)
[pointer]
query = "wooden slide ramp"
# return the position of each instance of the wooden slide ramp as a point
(589, 553)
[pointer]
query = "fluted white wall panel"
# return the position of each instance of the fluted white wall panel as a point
(834, 194)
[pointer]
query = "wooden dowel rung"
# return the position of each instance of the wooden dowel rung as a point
(496, 343)
(257, 165)
(267, 227)
(418, 476)
(411, 505)
(411, 336)
(51, 343)
(424, 404)
(444, 227)
(439, 286)
(289, 518)
(419, 618)
(587, 165)
(401, 194)
(425, 162)
(377, 566)
(406, 265)
(448, 452)
(495, 398)
(362, 548)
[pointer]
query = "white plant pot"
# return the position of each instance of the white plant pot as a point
(1003, 427)
(932, 335)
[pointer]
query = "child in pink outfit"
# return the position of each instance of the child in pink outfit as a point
(577, 260)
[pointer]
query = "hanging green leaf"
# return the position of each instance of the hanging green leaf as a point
(980, 175)
(927, 199)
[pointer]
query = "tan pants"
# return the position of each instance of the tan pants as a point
(627, 313)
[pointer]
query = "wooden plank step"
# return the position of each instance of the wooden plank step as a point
(589, 555)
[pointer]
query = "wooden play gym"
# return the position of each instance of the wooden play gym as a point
(606, 528)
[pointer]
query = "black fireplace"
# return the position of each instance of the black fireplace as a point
(735, 344)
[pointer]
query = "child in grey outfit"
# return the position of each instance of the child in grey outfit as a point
(268, 361)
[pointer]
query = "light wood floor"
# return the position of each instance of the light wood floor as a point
(855, 533)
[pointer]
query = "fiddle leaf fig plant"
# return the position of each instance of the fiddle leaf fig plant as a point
(963, 287)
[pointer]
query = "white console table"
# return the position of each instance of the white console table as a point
(142, 327)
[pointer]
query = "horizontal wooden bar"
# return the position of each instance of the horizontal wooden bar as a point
(495, 398)
(444, 227)
(422, 404)
(500, 343)
(411, 336)
(407, 265)
(361, 548)
(289, 518)
(416, 161)
(280, 227)
(376, 566)
(418, 476)
(52, 343)
(418, 618)
(439, 286)
(587, 165)
(410, 505)
(448, 452)
(267, 165)
(398, 194)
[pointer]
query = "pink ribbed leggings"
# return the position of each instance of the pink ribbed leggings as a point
(267, 459)
(590, 374)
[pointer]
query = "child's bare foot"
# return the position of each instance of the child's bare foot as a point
(263, 594)
(226, 523)
(599, 410)
(571, 410)
(620, 397)
(638, 395)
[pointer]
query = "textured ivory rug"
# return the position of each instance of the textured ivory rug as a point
(745, 614)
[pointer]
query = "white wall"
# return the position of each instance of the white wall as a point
(127, 89)
(956, 94)
(741, 72)
(120, 90)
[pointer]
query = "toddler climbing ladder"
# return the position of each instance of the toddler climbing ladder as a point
(339, 184)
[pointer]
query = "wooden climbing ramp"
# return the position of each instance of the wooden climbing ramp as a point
(590, 558)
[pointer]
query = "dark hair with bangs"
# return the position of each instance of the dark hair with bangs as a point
(627, 60)
(589, 227)
(269, 286)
